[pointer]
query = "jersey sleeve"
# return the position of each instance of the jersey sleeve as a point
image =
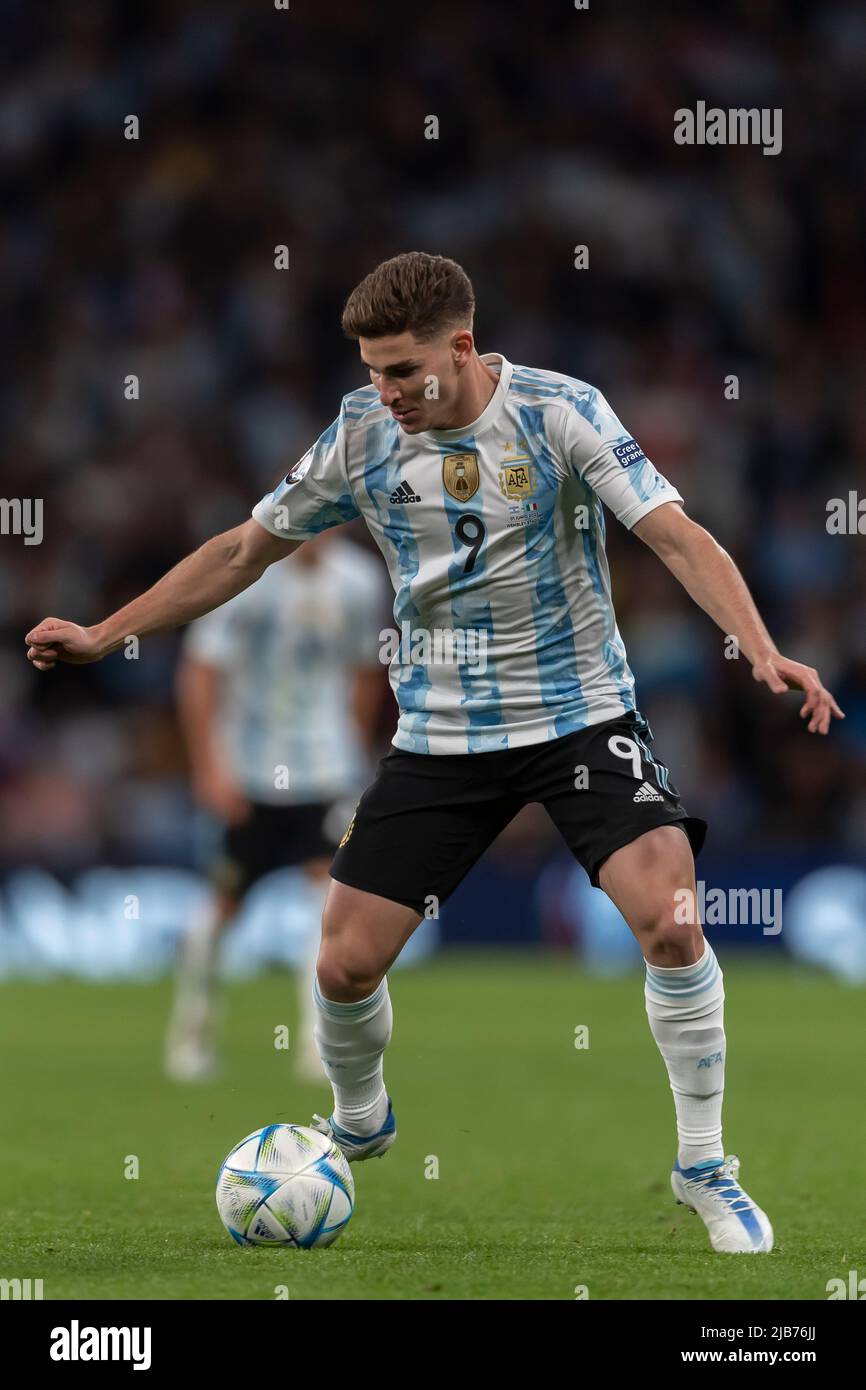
(314, 495)
(598, 449)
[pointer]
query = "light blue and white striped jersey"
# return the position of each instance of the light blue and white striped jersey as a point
(494, 539)
(287, 649)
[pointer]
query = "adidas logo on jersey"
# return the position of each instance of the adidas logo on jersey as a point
(647, 793)
(403, 493)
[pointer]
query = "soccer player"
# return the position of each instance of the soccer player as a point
(278, 696)
(484, 483)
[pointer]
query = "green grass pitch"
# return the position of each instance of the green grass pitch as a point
(553, 1161)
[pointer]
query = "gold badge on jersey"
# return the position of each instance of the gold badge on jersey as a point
(460, 475)
(517, 480)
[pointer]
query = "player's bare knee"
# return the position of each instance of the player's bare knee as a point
(669, 941)
(343, 977)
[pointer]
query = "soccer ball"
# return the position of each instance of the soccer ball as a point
(285, 1185)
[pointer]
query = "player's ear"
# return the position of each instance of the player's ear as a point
(461, 346)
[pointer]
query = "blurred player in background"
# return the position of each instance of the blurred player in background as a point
(278, 693)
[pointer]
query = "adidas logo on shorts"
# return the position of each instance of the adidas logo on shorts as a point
(403, 493)
(647, 793)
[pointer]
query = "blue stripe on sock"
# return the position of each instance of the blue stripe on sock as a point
(347, 1012)
(705, 977)
(685, 993)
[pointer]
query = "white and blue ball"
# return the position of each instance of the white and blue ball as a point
(285, 1185)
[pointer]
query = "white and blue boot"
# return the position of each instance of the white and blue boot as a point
(356, 1147)
(737, 1226)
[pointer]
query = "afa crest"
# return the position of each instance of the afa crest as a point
(517, 480)
(460, 475)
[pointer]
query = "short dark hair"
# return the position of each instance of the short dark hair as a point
(412, 292)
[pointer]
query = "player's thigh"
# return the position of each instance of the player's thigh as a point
(362, 936)
(652, 882)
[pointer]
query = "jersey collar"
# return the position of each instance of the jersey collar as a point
(493, 406)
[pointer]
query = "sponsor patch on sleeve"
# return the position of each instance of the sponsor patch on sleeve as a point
(628, 452)
(297, 473)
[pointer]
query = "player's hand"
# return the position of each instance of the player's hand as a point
(217, 793)
(54, 640)
(781, 675)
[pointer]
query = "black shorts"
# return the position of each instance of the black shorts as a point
(427, 819)
(272, 837)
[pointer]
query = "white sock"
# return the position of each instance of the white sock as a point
(351, 1039)
(194, 1013)
(305, 1052)
(685, 1007)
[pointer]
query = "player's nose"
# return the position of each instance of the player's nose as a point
(388, 395)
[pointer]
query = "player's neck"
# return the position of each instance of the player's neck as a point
(477, 385)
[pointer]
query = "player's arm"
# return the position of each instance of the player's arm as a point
(709, 575)
(219, 569)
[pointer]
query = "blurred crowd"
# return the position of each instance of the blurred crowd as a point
(722, 314)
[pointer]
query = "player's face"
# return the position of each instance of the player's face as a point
(418, 382)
